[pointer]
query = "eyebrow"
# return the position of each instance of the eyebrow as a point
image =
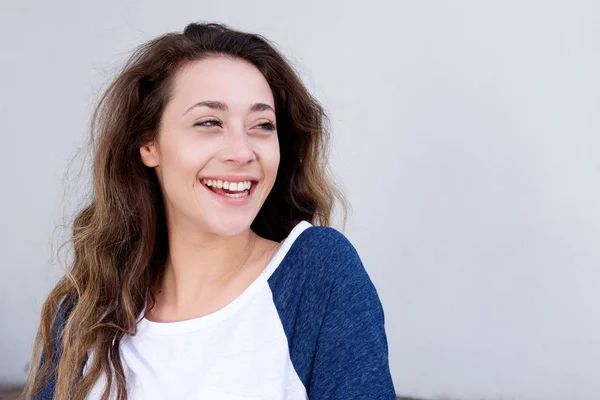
(221, 106)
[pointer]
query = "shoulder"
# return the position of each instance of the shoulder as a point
(64, 309)
(328, 237)
(327, 246)
(328, 306)
(335, 263)
(319, 257)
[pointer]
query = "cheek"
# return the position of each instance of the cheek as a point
(189, 155)
(271, 159)
(181, 162)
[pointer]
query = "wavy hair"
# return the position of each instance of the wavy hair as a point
(119, 237)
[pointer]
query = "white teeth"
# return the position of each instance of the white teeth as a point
(236, 195)
(232, 186)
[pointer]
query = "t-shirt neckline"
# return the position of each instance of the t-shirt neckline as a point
(146, 326)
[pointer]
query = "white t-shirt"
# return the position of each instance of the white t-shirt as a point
(282, 338)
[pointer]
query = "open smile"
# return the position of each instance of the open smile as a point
(230, 192)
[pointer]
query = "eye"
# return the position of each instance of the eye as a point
(268, 126)
(209, 122)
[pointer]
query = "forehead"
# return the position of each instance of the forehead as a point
(234, 81)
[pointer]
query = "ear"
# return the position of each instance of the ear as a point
(149, 154)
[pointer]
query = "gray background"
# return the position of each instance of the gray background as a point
(466, 135)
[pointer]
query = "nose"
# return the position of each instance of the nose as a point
(237, 148)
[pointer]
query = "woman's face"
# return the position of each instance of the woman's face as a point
(216, 153)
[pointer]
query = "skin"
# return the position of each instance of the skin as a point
(208, 240)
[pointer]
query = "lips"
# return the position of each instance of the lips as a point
(238, 195)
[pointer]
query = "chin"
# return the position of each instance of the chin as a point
(229, 226)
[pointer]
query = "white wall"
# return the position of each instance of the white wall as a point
(467, 137)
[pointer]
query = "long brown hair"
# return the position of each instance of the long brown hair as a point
(119, 238)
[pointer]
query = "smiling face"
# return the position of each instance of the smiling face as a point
(216, 153)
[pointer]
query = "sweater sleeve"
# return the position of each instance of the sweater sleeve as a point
(351, 360)
(47, 392)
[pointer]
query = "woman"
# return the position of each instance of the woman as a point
(204, 267)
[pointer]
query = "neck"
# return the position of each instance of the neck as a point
(200, 265)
